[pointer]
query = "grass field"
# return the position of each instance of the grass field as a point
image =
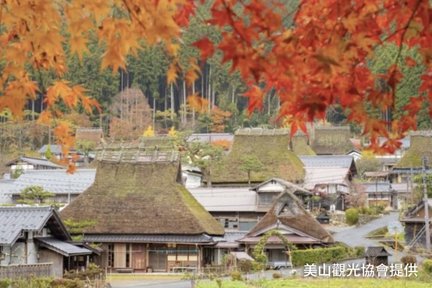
(320, 283)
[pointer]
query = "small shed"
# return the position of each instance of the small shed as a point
(376, 255)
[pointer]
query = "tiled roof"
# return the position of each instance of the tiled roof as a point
(317, 175)
(55, 181)
(327, 161)
(14, 220)
(36, 161)
(63, 248)
(139, 238)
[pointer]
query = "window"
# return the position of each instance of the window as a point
(128, 258)
(110, 255)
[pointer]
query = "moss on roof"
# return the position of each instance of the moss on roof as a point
(300, 146)
(421, 145)
(295, 217)
(141, 198)
(332, 140)
(272, 150)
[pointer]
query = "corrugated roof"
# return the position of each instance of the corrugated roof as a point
(139, 238)
(55, 181)
(225, 199)
(14, 220)
(61, 247)
(327, 161)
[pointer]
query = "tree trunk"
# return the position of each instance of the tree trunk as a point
(172, 103)
(209, 90)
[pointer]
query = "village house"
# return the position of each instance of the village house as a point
(268, 147)
(24, 163)
(142, 216)
(380, 194)
(33, 240)
(330, 178)
(240, 208)
(64, 186)
(411, 161)
(288, 216)
(414, 225)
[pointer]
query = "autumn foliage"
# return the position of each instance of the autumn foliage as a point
(312, 55)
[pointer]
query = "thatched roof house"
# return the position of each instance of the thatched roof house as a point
(330, 140)
(137, 197)
(270, 147)
(289, 216)
(421, 143)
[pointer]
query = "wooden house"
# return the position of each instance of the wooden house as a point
(376, 255)
(269, 147)
(24, 163)
(414, 225)
(411, 161)
(34, 240)
(143, 217)
(290, 218)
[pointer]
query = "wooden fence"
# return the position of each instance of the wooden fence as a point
(26, 270)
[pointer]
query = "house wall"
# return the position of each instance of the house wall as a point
(238, 221)
(48, 256)
(17, 254)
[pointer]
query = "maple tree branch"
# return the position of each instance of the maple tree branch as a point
(402, 37)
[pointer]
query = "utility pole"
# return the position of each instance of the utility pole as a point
(426, 206)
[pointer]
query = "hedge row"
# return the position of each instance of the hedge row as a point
(325, 255)
(42, 282)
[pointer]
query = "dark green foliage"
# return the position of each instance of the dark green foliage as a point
(352, 216)
(427, 266)
(244, 266)
(34, 194)
(92, 272)
(320, 255)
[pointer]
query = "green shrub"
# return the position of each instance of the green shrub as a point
(277, 275)
(359, 251)
(244, 266)
(427, 266)
(236, 276)
(409, 259)
(319, 255)
(352, 216)
(376, 210)
(4, 283)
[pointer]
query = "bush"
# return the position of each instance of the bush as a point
(427, 266)
(277, 275)
(358, 252)
(244, 266)
(409, 259)
(236, 276)
(319, 255)
(67, 283)
(376, 210)
(352, 216)
(4, 283)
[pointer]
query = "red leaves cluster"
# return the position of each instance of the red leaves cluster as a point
(321, 58)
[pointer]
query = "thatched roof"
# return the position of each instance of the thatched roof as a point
(93, 135)
(300, 145)
(141, 195)
(329, 140)
(270, 147)
(421, 146)
(288, 211)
